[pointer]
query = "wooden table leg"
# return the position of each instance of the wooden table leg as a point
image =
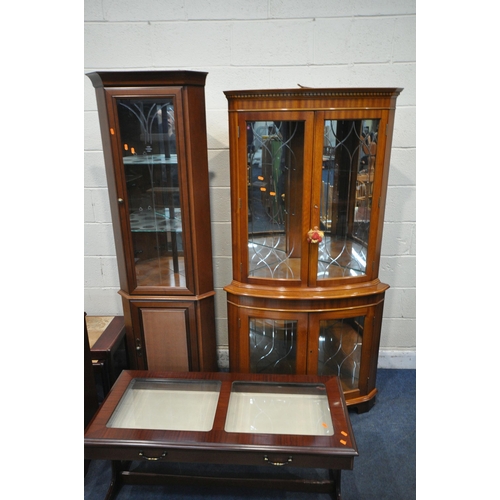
(335, 477)
(115, 484)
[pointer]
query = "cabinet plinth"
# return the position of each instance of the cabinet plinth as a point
(153, 130)
(309, 170)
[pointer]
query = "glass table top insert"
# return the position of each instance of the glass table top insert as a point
(275, 408)
(167, 404)
(254, 407)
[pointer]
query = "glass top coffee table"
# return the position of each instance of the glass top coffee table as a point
(224, 418)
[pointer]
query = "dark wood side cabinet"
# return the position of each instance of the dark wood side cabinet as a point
(309, 170)
(153, 130)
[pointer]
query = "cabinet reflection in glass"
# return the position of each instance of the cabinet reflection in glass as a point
(149, 151)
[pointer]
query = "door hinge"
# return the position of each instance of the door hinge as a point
(239, 322)
(238, 131)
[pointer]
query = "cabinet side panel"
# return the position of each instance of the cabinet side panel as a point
(198, 187)
(104, 124)
(165, 338)
(206, 347)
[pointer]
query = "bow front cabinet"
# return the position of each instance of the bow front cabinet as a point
(153, 131)
(309, 170)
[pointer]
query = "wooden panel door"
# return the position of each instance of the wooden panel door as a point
(165, 338)
(164, 335)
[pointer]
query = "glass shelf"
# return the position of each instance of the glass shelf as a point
(156, 221)
(167, 404)
(156, 159)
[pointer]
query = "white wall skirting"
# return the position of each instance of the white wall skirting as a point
(401, 360)
(223, 358)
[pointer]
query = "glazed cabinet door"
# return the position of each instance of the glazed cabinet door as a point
(309, 188)
(269, 342)
(347, 179)
(345, 344)
(272, 204)
(146, 129)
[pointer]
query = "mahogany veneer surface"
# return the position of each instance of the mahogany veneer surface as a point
(335, 451)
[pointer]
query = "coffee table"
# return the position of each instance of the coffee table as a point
(224, 418)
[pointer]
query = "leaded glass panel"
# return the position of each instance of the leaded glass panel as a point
(339, 351)
(273, 346)
(348, 171)
(275, 172)
(149, 151)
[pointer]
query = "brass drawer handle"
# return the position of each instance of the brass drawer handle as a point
(154, 459)
(279, 464)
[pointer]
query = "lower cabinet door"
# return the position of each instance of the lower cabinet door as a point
(165, 334)
(336, 346)
(271, 342)
(342, 342)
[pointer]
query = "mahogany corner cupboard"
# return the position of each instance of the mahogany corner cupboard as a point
(309, 170)
(153, 130)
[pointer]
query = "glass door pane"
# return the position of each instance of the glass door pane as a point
(348, 170)
(339, 350)
(273, 346)
(275, 154)
(149, 150)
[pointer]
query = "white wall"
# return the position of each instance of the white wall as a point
(251, 45)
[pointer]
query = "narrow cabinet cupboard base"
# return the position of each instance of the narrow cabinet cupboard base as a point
(173, 333)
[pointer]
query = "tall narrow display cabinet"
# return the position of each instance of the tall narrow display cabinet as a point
(153, 130)
(309, 171)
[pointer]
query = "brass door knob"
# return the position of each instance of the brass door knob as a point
(315, 235)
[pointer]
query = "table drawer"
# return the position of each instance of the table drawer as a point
(215, 456)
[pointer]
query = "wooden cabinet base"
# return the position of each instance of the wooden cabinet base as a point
(324, 332)
(171, 333)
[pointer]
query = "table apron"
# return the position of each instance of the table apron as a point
(214, 456)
